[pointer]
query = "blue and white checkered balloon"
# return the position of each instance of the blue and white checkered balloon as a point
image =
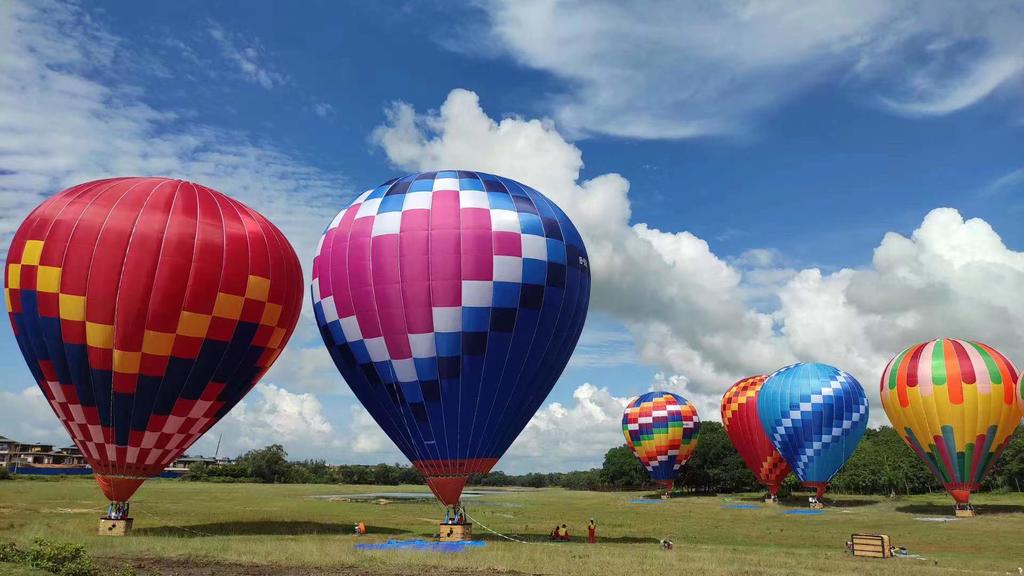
(815, 415)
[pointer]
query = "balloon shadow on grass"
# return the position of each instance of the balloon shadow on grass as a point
(260, 528)
(947, 509)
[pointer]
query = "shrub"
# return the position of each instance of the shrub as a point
(5, 474)
(9, 552)
(60, 558)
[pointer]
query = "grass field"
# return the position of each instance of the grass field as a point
(199, 528)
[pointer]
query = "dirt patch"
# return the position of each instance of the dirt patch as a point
(182, 567)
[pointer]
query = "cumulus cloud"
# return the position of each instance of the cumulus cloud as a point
(27, 417)
(685, 68)
(708, 321)
(562, 438)
(684, 305)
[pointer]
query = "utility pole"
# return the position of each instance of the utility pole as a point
(217, 451)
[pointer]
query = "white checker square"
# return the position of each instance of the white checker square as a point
(405, 370)
(173, 424)
(350, 328)
(377, 348)
(473, 199)
(447, 318)
(423, 345)
(330, 313)
(335, 222)
(508, 269)
(477, 293)
(149, 439)
(535, 247)
(446, 184)
(76, 412)
(363, 196)
(368, 208)
(505, 221)
(386, 223)
(417, 200)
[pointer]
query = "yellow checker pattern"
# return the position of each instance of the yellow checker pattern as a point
(192, 324)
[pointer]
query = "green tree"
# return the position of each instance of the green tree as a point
(268, 465)
(621, 469)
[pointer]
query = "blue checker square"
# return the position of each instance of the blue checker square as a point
(534, 271)
(426, 368)
(524, 204)
(503, 319)
(379, 192)
(446, 174)
(359, 350)
(500, 201)
(505, 294)
(370, 373)
(412, 391)
(556, 275)
(474, 343)
(431, 389)
(551, 228)
(419, 185)
(448, 343)
(556, 251)
(449, 367)
(532, 296)
(391, 203)
(530, 224)
(470, 184)
(475, 319)
(385, 370)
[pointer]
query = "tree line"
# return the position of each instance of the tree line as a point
(882, 464)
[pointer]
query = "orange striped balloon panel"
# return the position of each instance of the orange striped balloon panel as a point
(661, 429)
(954, 402)
(743, 425)
(146, 308)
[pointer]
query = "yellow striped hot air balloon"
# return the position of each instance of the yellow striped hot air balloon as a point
(955, 403)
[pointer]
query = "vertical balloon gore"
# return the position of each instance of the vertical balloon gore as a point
(450, 302)
(955, 404)
(146, 308)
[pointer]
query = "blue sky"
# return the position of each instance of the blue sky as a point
(764, 155)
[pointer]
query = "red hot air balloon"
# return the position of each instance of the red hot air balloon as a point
(743, 425)
(146, 308)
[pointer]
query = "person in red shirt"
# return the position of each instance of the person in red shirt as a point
(591, 532)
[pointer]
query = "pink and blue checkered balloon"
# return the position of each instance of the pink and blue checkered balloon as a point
(451, 301)
(814, 415)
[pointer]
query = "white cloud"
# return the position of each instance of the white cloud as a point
(683, 304)
(686, 68)
(26, 416)
(63, 124)
(247, 56)
(561, 438)
(272, 415)
(709, 321)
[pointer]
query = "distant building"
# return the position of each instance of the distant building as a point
(36, 458)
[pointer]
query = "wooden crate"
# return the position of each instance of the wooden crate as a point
(965, 513)
(454, 532)
(110, 527)
(871, 545)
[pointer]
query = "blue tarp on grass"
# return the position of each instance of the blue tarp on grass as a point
(741, 506)
(804, 512)
(423, 545)
(646, 501)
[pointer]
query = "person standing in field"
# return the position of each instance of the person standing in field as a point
(591, 532)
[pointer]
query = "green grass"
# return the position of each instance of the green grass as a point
(282, 525)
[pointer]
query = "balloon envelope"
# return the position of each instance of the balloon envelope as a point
(661, 429)
(814, 415)
(450, 302)
(743, 425)
(954, 403)
(146, 308)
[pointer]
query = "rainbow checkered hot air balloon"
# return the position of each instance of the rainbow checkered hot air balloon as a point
(954, 402)
(661, 429)
(146, 308)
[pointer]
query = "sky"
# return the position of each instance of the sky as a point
(758, 183)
